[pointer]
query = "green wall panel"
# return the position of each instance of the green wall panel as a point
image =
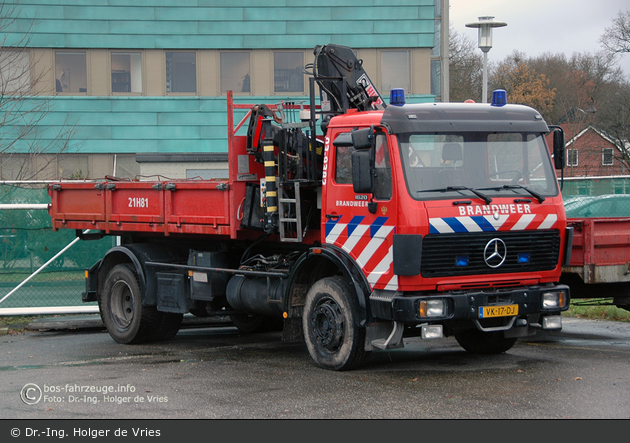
(405, 27)
(52, 26)
(146, 124)
(377, 13)
(330, 27)
(220, 24)
(231, 27)
(156, 132)
(153, 27)
(212, 14)
(198, 124)
(264, 14)
(107, 13)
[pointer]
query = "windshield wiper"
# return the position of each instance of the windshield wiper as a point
(535, 194)
(484, 197)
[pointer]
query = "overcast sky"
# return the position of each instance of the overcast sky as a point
(538, 26)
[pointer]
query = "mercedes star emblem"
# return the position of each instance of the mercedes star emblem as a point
(495, 252)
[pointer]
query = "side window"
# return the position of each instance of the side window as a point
(383, 179)
(343, 165)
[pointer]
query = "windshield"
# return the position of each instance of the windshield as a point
(493, 164)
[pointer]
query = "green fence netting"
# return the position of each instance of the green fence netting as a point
(601, 197)
(27, 241)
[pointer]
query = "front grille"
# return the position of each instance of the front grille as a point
(441, 251)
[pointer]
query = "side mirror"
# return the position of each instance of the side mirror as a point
(362, 172)
(559, 151)
(363, 138)
(344, 139)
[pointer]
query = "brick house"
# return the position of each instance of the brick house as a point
(592, 163)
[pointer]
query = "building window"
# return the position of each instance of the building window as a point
(127, 72)
(15, 72)
(436, 77)
(436, 50)
(607, 156)
(235, 75)
(572, 157)
(288, 71)
(620, 186)
(585, 187)
(70, 72)
(395, 70)
(181, 72)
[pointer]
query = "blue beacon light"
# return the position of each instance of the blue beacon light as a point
(397, 97)
(499, 97)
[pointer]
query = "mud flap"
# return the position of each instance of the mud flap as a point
(384, 335)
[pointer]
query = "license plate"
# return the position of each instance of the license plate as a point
(498, 311)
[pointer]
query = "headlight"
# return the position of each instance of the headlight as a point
(432, 308)
(553, 300)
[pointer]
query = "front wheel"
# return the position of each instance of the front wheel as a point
(478, 342)
(333, 338)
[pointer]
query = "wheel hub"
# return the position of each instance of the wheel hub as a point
(122, 304)
(328, 324)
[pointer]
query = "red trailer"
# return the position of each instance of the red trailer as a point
(600, 259)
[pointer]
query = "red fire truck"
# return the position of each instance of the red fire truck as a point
(352, 227)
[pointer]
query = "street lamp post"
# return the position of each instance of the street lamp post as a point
(485, 25)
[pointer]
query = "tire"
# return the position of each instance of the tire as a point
(126, 320)
(475, 341)
(329, 321)
(169, 326)
(252, 323)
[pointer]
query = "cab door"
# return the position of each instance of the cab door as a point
(364, 231)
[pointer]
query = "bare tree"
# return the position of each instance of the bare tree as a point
(613, 117)
(465, 68)
(616, 39)
(614, 106)
(29, 131)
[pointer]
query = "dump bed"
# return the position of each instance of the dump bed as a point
(166, 207)
(228, 207)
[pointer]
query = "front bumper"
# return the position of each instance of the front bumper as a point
(465, 306)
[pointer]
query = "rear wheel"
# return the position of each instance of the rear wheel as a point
(478, 342)
(125, 318)
(333, 338)
(169, 326)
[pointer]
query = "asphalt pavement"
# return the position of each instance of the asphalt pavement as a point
(212, 371)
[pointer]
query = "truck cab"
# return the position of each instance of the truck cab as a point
(454, 215)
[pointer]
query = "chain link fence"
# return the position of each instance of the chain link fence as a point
(597, 197)
(27, 242)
